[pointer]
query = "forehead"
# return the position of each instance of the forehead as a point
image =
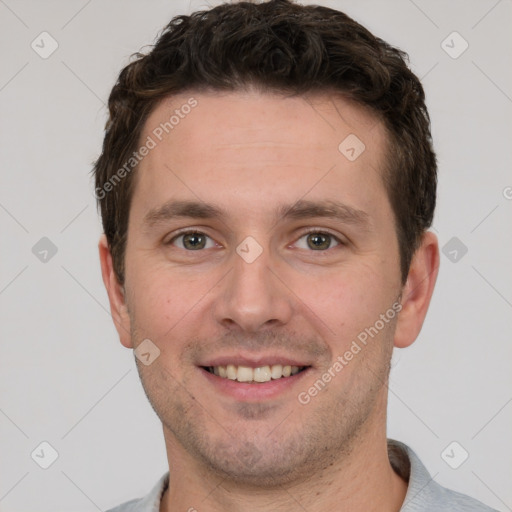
(253, 113)
(238, 143)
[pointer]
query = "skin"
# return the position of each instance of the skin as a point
(247, 153)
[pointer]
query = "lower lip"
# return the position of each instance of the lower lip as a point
(254, 392)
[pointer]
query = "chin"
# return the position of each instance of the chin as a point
(250, 466)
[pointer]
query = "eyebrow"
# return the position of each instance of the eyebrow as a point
(302, 209)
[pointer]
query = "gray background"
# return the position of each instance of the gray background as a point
(65, 378)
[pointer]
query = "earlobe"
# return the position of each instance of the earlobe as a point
(418, 290)
(116, 295)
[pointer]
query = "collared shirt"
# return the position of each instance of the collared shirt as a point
(423, 493)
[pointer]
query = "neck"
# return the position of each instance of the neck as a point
(362, 481)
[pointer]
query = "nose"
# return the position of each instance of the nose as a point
(253, 296)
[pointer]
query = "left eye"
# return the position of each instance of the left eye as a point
(318, 241)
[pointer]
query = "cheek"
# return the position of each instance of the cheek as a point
(351, 301)
(161, 302)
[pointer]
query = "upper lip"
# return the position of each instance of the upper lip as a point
(254, 361)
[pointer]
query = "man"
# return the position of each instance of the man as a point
(266, 186)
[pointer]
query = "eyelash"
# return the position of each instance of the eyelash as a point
(309, 231)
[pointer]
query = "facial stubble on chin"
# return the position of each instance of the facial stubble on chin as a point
(258, 446)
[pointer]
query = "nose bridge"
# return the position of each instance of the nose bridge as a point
(252, 295)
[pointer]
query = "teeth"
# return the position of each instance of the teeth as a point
(276, 371)
(260, 374)
(245, 374)
(231, 371)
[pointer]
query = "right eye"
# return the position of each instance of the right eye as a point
(192, 241)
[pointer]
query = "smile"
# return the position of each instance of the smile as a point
(259, 374)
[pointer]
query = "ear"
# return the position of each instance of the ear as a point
(417, 291)
(116, 294)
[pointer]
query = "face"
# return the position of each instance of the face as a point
(262, 261)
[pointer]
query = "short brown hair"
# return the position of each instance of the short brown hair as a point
(276, 46)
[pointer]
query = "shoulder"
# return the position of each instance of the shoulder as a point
(149, 503)
(129, 506)
(424, 493)
(448, 500)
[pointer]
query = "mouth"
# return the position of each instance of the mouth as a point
(256, 375)
(254, 378)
